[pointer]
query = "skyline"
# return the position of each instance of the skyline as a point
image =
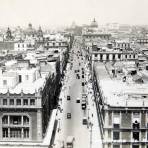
(55, 13)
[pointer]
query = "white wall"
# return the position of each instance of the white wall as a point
(12, 81)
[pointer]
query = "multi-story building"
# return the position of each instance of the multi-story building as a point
(142, 41)
(124, 45)
(121, 93)
(26, 101)
(106, 54)
(23, 46)
(49, 45)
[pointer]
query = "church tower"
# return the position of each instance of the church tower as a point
(9, 34)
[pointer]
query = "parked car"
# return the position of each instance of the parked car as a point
(68, 97)
(78, 100)
(68, 115)
(70, 141)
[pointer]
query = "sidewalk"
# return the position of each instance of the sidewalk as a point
(58, 143)
(95, 137)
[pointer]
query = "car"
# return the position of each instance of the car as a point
(68, 115)
(78, 100)
(68, 97)
(83, 83)
(84, 121)
(77, 76)
(70, 141)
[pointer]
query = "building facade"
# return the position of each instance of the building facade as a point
(121, 101)
(28, 96)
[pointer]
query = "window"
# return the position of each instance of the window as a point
(5, 120)
(136, 120)
(116, 120)
(4, 82)
(135, 146)
(32, 101)
(4, 101)
(5, 132)
(119, 56)
(11, 101)
(26, 133)
(96, 55)
(107, 57)
(25, 101)
(25, 120)
(116, 135)
(101, 57)
(18, 101)
(116, 125)
(136, 136)
(15, 120)
(15, 132)
(116, 146)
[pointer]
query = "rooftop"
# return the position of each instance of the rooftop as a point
(27, 88)
(30, 86)
(24, 78)
(122, 94)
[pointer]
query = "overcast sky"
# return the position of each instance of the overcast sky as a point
(64, 12)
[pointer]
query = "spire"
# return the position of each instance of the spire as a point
(40, 32)
(8, 34)
(94, 23)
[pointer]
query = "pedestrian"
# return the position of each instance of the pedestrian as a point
(92, 115)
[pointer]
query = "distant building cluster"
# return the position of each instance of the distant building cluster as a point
(120, 73)
(31, 69)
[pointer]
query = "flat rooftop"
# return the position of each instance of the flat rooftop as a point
(117, 93)
(27, 88)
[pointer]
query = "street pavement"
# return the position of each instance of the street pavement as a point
(86, 136)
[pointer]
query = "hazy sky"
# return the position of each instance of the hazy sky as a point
(64, 12)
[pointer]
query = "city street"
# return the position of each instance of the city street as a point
(74, 126)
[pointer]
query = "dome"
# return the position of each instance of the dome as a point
(94, 24)
(30, 30)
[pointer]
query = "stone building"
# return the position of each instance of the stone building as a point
(121, 97)
(26, 101)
